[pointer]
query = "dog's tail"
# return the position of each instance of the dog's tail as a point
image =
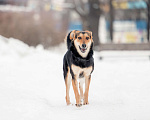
(69, 38)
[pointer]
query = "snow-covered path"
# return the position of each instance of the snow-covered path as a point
(32, 87)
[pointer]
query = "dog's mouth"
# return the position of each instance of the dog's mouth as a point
(83, 49)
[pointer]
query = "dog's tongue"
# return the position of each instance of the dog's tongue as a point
(83, 49)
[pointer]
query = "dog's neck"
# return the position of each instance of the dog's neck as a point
(76, 54)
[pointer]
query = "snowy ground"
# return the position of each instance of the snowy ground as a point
(32, 86)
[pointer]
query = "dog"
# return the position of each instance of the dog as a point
(78, 62)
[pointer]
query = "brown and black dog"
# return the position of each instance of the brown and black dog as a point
(78, 63)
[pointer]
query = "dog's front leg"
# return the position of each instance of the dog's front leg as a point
(75, 88)
(67, 91)
(87, 84)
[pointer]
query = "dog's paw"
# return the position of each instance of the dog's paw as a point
(78, 105)
(85, 103)
(68, 103)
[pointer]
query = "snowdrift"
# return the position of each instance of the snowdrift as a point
(32, 86)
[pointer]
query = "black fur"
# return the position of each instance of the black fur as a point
(73, 57)
(81, 75)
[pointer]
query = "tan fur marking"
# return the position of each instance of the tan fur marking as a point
(90, 33)
(73, 33)
(87, 71)
(77, 70)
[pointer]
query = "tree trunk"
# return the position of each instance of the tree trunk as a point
(93, 20)
(85, 23)
(90, 20)
(148, 24)
(111, 20)
(93, 26)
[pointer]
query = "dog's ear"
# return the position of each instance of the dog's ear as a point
(73, 34)
(90, 34)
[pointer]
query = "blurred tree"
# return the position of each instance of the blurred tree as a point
(2, 2)
(89, 12)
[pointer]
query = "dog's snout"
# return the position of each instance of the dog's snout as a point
(84, 45)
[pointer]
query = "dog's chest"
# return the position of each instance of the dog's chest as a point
(81, 72)
(82, 63)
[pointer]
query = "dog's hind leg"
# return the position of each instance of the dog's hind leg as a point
(68, 82)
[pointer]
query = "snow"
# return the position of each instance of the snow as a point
(32, 86)
(14, 8)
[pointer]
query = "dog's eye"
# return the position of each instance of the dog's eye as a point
(87, 38)
(79, 38)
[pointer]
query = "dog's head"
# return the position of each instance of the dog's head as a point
(83, 41)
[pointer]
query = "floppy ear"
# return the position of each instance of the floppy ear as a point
(73, 34)
(90, 34)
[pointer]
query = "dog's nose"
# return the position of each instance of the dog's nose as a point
(83, 45)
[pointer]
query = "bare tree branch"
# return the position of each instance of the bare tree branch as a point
(79, 9)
